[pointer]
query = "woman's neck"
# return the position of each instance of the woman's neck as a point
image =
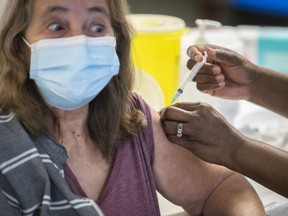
(72, 126)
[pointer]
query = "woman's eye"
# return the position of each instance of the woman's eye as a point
(96, 28)
(55, 27)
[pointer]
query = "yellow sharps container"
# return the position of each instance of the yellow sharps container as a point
(156, 49)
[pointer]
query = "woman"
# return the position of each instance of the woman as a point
(68, 109)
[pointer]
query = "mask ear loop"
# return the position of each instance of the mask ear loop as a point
(26, 42)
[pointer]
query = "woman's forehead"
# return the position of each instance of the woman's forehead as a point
(41, 7)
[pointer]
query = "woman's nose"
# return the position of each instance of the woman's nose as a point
(75, 31)
(76, 27)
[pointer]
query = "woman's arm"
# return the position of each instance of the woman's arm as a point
(197, 186)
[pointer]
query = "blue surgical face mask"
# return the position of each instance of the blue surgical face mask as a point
(70, 72)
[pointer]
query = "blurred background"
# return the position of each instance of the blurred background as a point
(228, 12)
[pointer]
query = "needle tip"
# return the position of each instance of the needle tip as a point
(175, 97)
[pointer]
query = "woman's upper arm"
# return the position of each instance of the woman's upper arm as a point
(180, 176)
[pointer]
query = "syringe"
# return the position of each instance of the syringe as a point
(190, 77)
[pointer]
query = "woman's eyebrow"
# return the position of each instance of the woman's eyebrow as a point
(57, 9)
(60, 9)
(99, 9)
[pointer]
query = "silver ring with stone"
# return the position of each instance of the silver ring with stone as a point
(180, 128)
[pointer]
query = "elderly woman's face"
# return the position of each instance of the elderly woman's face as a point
(66, 18)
